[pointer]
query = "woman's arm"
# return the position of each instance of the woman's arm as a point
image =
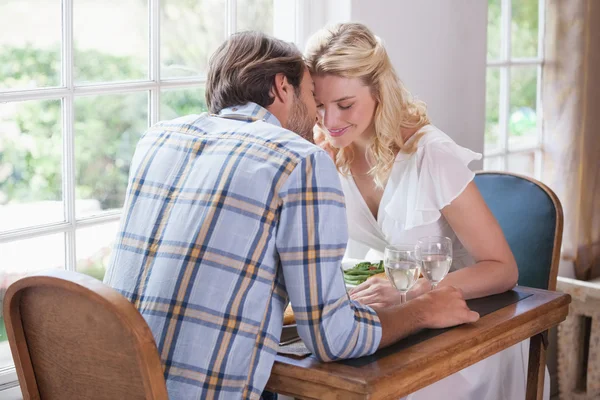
(495, 269)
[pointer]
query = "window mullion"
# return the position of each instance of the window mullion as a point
(37, 94)
(539, 103)
(183, 83)
(33, 231)
(504, 104)
(505, 30)
(541, 28)
(506, 19)
(48, 229)
(113, 88)
(515, 61)
(299, 22)
(231, 17)
(68, 120)
(154, 16)
(539, 120)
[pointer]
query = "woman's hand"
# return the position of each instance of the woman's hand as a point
(420, 287)
(320, 140)
(379, 292)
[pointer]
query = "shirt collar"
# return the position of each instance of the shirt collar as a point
(249, 112)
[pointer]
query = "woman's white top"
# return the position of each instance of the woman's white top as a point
(420, 185)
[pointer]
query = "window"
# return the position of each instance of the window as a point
(79, 84)
(513, 130)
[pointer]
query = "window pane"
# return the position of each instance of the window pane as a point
(255, 15)
(492, 110)
(190, 32)
(94, 245)
(524, 42)
(521, 163)
(30, 34)
(494, 29)
(522, 124)
(495, 163)
(107, 129)
(176, 103)
(22, 257)
(111, 40)
(30, 164)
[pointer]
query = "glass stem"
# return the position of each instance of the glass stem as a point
(402, 297)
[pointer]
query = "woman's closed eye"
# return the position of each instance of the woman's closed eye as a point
(345, 107)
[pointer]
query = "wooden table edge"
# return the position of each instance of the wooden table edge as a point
(420, 379)
(558, 307)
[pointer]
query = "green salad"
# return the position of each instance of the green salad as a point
(361, 271)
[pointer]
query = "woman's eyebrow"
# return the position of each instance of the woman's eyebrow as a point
(343, 98)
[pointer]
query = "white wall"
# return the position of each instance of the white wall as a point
(438, 48)
(312, 15)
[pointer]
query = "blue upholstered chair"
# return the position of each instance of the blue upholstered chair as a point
(531, 218)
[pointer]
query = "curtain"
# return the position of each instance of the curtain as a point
(571, 123)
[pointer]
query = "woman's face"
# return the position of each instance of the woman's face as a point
(345, 107)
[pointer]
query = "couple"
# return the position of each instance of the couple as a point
(232, 214)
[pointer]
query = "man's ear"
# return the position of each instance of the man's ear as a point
(281, 88)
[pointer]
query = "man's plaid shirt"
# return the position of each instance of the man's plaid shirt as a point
(226, 218)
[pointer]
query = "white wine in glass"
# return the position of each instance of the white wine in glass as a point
(435, 254)
(401, 268)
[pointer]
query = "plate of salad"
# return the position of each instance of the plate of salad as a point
(358, 271)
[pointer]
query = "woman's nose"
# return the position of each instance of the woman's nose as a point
(329, 119)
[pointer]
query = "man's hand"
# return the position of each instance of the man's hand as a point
(439, 308)
(379, 292)
(444, 307)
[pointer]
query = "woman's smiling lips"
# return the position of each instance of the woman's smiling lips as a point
(338, 132)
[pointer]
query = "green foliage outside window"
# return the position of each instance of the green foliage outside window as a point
(106, 129)
(524, 44)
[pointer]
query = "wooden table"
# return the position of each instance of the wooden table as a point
(402, 372)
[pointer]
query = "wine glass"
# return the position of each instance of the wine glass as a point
(401, 268)
(435, 255)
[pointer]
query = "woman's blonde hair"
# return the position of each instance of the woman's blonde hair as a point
(351, 50)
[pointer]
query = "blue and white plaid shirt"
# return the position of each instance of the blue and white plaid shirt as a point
(226, 218)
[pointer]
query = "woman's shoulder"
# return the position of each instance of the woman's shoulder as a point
(427, 137)
(429, 179)
(430, 135)
(435, 145)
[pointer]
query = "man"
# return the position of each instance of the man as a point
(230, 214)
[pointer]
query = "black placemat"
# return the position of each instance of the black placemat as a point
(483, 306)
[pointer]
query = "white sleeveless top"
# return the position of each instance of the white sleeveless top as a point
(419, 186)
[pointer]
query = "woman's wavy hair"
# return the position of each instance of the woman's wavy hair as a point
(351, 50)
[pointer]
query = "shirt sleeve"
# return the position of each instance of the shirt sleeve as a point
(311, 239)
(427, 182)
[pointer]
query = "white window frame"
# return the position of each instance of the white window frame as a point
(504, 64)
(288, 25)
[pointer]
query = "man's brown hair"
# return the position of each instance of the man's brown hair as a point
(243, 69)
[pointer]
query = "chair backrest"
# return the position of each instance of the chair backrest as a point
(72, 337)
(531, 218)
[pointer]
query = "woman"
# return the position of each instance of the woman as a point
(404, 179)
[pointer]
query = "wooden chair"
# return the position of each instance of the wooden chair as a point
(72, 337)
(531, 217)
